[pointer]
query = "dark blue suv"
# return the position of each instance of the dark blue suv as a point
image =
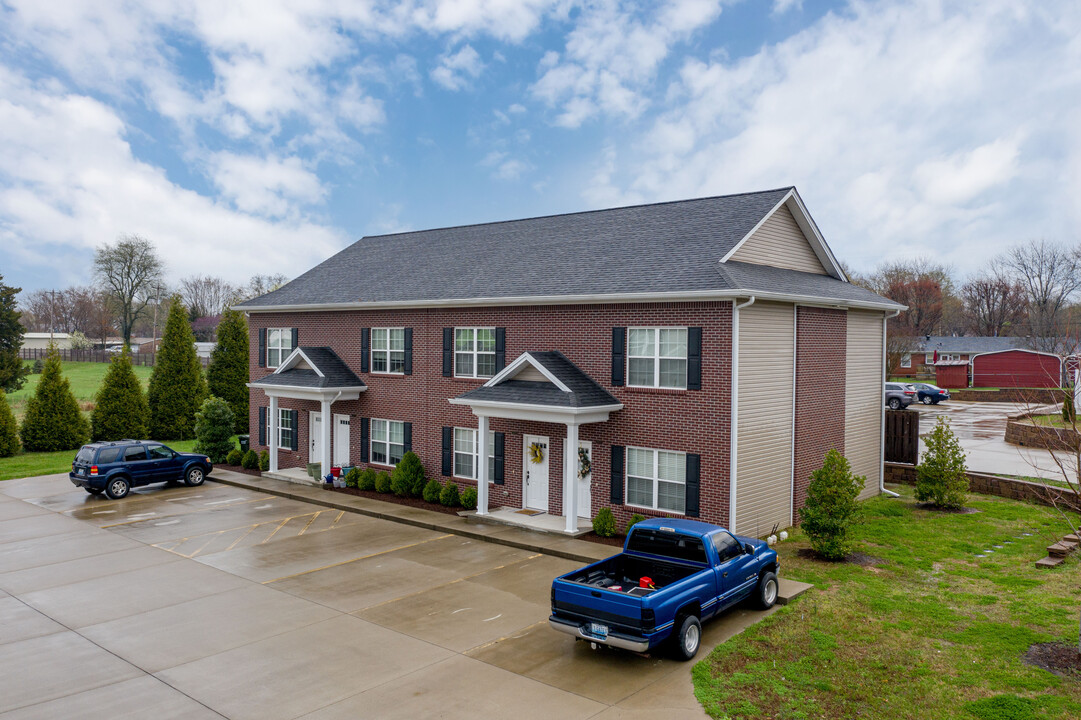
(114, 468)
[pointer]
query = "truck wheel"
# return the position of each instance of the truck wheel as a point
(767, 590)
(689, 638)
(117, 488)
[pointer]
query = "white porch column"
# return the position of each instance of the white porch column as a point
(325, 431)
(482, 465)
(272, 433)
(570, 478)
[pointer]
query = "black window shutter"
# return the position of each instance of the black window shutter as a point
(500, 348)
(296, 429)
(295, 336)
(409, 351)
(694, 358)
(407, 433)
(617, 475)
(262, 347)
(694, 465)
(365, 349)
(448, 353)
(262, 426)
(500, 442)
(619, 355)
(364, 445)
(448, 451)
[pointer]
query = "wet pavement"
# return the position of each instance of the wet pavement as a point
(981, 428)
(222, 601)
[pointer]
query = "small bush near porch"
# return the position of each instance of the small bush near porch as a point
(919, 627)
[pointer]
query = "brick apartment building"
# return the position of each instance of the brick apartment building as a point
(693, 358)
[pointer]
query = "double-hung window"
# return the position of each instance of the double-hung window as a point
(657, 479)
(906, 360)
(388, 441)
(388, 350)
(279, 343)
(465, 453)
(657, 357)
(474, 352)
(285, 429)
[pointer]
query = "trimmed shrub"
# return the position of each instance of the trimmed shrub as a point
(605, 523)
(177, 387)
(214, 429)
(120, 408)
(469, 498)
(942, 476)
(352, 477)
(382, 482)
(635, 519)
(264, 460)
(39, 365)
(234, 457)
(250, 461)
(227, 374)
(413, 473)
(432, 491)
(53, 420)
(831, 508)
(449, 495)
(9, 429)
(366, 481)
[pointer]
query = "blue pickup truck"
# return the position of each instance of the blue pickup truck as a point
(671, 576)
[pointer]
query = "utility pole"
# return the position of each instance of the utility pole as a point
(52, 314)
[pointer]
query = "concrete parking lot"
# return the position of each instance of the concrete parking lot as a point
(224, 602)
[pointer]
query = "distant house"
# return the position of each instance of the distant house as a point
(950, 350)
(41, 340)
(955, 362)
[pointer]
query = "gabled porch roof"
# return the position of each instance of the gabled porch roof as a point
(312, 373)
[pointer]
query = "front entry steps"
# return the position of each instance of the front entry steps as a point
(542, 522)
(293, 475)
(1057, 552)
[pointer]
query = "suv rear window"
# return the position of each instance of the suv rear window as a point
(85, 456)
(108, 455)
(667, 544)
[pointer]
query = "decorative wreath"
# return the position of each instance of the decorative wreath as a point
(536, 453)
(584, 464)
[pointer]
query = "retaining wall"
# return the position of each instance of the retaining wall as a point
(1028, 434)
(1048, 495)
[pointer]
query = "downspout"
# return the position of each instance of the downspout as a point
(882, 421)
(735, 413)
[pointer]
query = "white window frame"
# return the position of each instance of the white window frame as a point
(473, 455)
(285, 424)
(387, 352)
(906, 360)
(386, 443)
(474, 353)
(285, 335)
(656, 357)
(656, 479)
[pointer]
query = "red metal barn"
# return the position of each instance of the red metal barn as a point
(951, 375)
(1017, 368)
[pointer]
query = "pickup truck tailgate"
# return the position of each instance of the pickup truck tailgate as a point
(620, 611)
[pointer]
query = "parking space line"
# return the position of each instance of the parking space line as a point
(237, 541)
(362, 557)
(283, 522)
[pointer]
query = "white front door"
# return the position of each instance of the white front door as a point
(585, 498)
(341, 440)
(535, 474)
(315, 437)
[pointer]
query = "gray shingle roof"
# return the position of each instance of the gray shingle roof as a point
(336, 374)
(972, 345)
(584, 390)
(767, 279)
(669, 247)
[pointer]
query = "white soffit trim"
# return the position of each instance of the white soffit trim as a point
(294, 359)
(302, 393)
(509, 372)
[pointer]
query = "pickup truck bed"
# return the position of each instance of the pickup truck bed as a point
(625, 571)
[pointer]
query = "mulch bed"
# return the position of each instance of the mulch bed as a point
(948, 511)
(857, 558)
(616, 541)
(1057, 658)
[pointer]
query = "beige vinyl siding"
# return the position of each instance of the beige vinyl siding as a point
(780, 243)
(863, 397)
(764, 431)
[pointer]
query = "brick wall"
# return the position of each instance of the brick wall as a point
(821, 339)
(1019, 432)
(1049, 495)
(689, 421)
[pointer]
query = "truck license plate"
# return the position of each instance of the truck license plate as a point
(598, 631)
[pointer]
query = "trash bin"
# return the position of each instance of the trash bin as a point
(244, 439)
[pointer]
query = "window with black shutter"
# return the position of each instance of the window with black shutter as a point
(448, 451)
(262, 425)
(500, 348)
(364, 444)
(296, 341)
(448, 354)
(694, 358)
(407, 434)
(500, 442)
(262, 347)
(365, 349)
(295, 445)
(694, 465)
(619, 355)
(617, 475)
(408, 370)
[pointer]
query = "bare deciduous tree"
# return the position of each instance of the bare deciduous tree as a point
(261, 285)
(994, 305)
(205, 295)
(129, 270)
(1050, 275)
(924, 286)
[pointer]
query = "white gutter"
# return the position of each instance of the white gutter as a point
(882, 421)
(735, 413)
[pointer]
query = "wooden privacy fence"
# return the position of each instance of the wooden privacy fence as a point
(68, 355)
(902, 436)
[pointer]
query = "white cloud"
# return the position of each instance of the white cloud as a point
(456, 70)
(780, 7)
(268, 186)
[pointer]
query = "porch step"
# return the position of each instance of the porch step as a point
(1061, 549)
(543, 523)
(788, 590)
(295, 476)
(1049, 562)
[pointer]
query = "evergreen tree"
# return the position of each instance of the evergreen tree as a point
(831, 508)
(942, 476)
(227, 375)
(177, 386)
(53, 420)
(120, 408)
(13, 370)
(9, 429)
(214, 429)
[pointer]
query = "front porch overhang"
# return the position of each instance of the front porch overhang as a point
(304, 393)
(539, 413)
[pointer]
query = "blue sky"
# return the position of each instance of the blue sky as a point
(262, 136)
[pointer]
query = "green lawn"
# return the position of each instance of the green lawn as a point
(1054, 420)
(925, 633)
(47, 463)
(85, 379)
